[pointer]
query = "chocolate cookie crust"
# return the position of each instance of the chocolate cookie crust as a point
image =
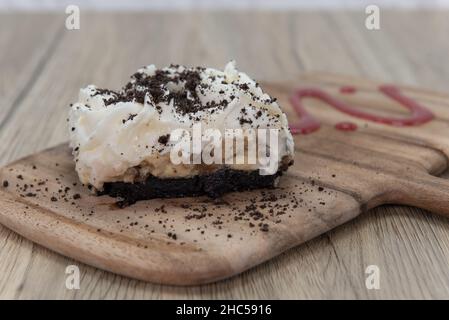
(213, 185)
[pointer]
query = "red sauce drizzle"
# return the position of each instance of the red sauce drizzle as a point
(346, 126)
(347, 89)
(307, 123)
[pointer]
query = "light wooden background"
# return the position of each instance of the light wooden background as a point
(42, 66)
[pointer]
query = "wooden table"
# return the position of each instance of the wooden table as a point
(42, 66)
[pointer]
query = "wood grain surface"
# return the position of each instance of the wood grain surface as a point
(337, 175)
(43, 65)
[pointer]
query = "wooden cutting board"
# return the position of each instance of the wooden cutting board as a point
(337, 175)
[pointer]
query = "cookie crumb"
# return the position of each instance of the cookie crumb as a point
(163, 139)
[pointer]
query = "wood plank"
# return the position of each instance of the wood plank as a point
(26, 45)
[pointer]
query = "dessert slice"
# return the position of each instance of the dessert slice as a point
(176, 132)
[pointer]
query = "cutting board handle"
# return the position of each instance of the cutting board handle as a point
(426, 192)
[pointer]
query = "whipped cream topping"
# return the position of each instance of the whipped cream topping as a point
(120, 136)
